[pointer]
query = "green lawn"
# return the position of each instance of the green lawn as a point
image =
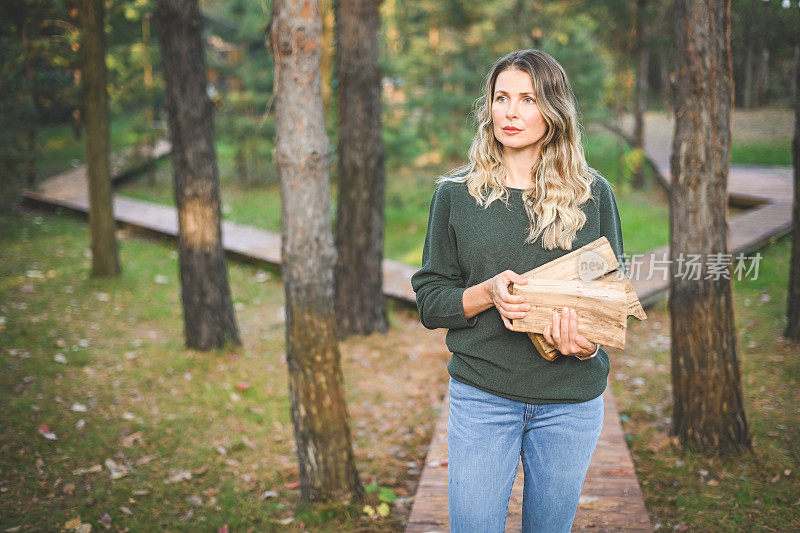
(685, 491)
(205, 439)
(762, 153)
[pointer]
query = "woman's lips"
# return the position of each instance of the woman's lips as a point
(511, 131)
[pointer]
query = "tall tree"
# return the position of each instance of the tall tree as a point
(105, 260)
(209, 320)
(642, 60)
(362, 174)
(319, 412)
(708, 411)
(793, 298)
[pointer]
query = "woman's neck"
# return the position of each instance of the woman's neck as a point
(518, 165)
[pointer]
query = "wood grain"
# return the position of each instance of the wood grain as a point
(595, 260)
(600, 305)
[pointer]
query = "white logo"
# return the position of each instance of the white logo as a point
(591, 265)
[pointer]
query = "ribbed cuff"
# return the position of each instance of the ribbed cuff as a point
(585, 357)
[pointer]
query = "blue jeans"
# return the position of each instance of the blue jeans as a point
(487, 434)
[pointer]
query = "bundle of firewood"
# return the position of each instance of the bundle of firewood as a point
(588, 280)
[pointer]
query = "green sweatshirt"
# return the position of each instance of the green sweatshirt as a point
(466, 245)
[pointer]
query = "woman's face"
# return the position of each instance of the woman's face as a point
(518, 123)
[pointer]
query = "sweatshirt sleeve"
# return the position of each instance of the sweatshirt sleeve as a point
(610, 224)
(439, 284)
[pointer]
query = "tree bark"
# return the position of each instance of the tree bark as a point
(319, 411)
(105, 261)
(642, 58)
(209, 320)
(362, 176)
(708, 412)
(793, 298)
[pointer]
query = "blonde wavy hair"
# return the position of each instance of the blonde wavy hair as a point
(561, 177)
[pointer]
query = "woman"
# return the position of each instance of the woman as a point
(525, 197)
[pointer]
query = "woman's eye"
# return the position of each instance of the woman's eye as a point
(500, 98)
(530, 100)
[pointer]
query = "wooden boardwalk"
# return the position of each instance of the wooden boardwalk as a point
(612, 499)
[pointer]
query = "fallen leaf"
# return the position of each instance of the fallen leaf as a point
(142, 492)
(250, 444)
(84, 528)
(105, 520)
(292, 484)
(78, 408)
(195, 500)
(243, 386)
(221, 450)
(223, 529)
(286, 521)
(132, 439)
(45, 432)
(268, 494)
(126, 511)
(72, 524)
(176, 476)
(68, 489)
(202, 470)
(117, 470)
(59, 358)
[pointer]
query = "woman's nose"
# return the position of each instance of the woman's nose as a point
(511, 110)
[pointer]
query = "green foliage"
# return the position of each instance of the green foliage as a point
(437, 54)
(384, 494)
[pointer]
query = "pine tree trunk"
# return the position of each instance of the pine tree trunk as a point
(319, 412)
(793, 298)
(708, 414)
(642, 58)
(362, 176)
(209, 320)
(105, 261)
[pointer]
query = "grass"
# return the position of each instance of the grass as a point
(164, 412)
(762, 153)
(60, 149)
(685, 491)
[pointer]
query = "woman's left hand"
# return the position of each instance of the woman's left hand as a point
(563, 334)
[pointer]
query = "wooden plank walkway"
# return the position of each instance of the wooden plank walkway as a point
(612, 499)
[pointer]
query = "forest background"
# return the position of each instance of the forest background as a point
(434, 55)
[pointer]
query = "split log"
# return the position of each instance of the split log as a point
(600, 305)
(595, 260)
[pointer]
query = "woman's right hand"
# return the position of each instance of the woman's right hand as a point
(509, 306)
